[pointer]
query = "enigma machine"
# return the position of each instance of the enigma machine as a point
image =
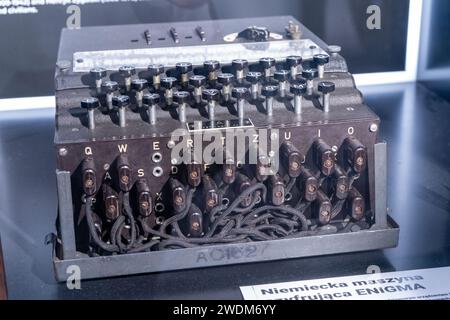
(193, 144)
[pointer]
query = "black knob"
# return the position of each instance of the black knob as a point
(197, 81)
(324, 157)
(355, 154)
(269, 91)
(340, 182)
(124, 172)
(138, 84)
(291, 158)
(239, 93)
(281, 75)
(357, 204)
(310, 74)
(181, 96)
(98, 73)
(144, 198)
(239, 64)
(168, 82)
(225, 78)
(211, 193)
(322, 208)
(242, 183)
(110, 86)
(267, 63)
(277, 190)
(321, 59)
(194, 173)
(183, 67)
(150, 99)
(195, 220)
(308, 185)
(211, 65)
(211, 94)
(293, 61)
(127, 71)
(90, 103)
(253, 77)
(178, 193)
(326, 87)
(254, 33)
(89, 179)
(121, 101)
(156, 69)
(298, 88)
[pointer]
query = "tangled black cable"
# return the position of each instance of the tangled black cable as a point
(92, 230)
(232, 223)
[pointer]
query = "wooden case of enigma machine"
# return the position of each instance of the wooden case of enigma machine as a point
(193, 144)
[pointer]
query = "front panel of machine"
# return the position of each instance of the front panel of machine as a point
(219, 133)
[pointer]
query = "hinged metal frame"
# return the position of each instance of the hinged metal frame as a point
(383, 234)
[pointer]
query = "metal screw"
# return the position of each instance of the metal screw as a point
(63, 65)
(228, 172)
(194, 174)
(373, 127)
(334, 50)
(89, 183)
(179, 200)
(144, 205)
(170, 144)
(63, 152)
(324, 213)
(328, 163)
(360, 161)
(125, 179)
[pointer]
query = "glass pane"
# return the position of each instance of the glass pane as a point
(30, 41)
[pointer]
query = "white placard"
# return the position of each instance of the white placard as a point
(423, 284)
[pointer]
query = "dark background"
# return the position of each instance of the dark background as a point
(30, 42)
(439, 35)
(434, 71)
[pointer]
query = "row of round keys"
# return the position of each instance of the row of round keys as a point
(297, 87)
(150, 101)
(212, 71)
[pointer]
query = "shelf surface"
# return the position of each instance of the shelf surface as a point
(414, 122)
